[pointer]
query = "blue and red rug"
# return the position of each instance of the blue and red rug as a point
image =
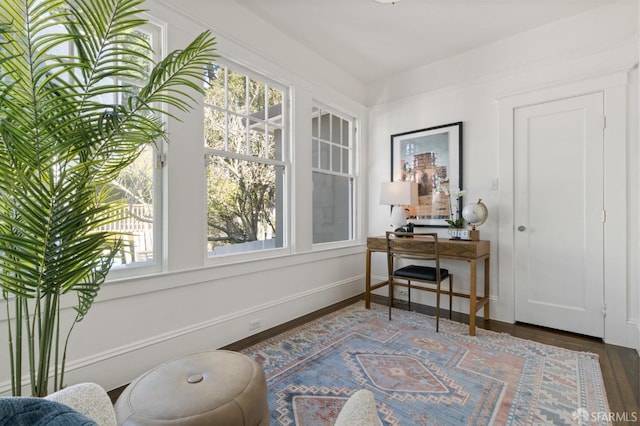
(420, 377)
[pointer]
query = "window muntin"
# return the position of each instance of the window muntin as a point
(333, 176)
(244, 138)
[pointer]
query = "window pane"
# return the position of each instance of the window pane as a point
(332, 209)
(244, 195)
(335, 158)
(237, 136)
(110, 98)
(138, 185)
(333, 182)
(314, 122)
(244, 198)
(256, 100)
(214, 128)
(140, 42)
(135, 187)
(123, 98)
(336, 127)
(345, 133)
(314, 153)
(325, 151)
(345, 160)
(214, 85)
(257, 142)
(275, 106)
(237, 88)
(324, 127)
(275, 144)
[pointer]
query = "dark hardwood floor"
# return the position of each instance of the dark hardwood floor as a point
(620, 366)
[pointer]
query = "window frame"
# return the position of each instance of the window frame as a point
(285, 162)
(352, 173)
(157, 264)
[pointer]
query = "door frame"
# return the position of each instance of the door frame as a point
(617, 329)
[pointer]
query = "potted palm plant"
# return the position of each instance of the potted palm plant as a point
(61, 146)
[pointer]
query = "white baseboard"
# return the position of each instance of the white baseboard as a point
(633, 335)
(119, 366)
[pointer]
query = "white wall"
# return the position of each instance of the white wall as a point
(598, 30)
(139, 323)
(593, 51)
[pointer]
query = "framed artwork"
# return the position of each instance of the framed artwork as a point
(432, 158)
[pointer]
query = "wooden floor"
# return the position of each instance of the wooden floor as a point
(620, 366)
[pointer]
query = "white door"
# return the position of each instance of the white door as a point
(559, 199)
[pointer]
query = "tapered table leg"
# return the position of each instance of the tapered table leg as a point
(472, 298)
(367, 280)
(486, 287)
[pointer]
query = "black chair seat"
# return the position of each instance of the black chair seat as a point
(421, 272)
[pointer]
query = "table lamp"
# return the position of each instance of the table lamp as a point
(398, 195)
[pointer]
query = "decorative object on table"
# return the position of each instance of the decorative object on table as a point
(447, 377)
(62, 146)
(456, 221)
(475, 214)
(458, 233)
(398, 195)
(432, 158)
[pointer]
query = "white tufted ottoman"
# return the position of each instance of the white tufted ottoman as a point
(208, 388)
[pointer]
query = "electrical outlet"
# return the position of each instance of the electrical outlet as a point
(402, 292)
(255, 324)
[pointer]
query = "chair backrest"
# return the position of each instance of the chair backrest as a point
(413, 246)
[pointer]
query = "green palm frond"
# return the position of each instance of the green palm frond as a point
(179, 70)
(104, 40)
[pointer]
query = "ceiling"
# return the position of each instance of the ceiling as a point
(372, 41)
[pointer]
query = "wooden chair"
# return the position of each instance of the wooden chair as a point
(416, 247)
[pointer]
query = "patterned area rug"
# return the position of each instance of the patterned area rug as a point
(420, 377)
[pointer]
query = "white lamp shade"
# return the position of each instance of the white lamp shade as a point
(399, 193)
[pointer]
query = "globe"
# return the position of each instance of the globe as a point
(475, 214)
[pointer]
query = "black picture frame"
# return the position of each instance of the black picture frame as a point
(431, 157)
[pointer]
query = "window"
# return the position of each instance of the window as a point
(245, 120)
(140, 185)
(333, 176)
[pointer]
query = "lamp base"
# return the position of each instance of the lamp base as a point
(398, 217)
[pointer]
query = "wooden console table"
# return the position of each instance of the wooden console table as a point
(468, 251)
